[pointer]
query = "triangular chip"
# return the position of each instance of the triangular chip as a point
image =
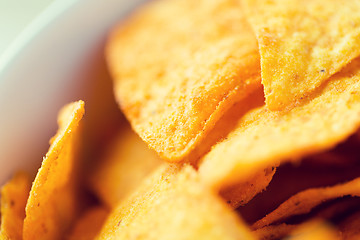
(303, 202)
(263, 138)
(302, 43)
(178, 66)
(51, 206)
(14, 195)
(174, 204)
(127, 163)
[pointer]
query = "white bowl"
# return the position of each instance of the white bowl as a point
(57, 59)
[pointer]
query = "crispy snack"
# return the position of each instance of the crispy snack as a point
(273, 232)
(302, 43)
(292, 178)
(226, 124)
(124, 167)
(14, 195)
(314, 230)
(241, 194)
(174, 204)
(89, 224)
(52, 205)
(174, 87)
(303, 202)
(263, 138)
(187, 76)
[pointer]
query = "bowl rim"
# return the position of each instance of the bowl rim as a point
(33, 29)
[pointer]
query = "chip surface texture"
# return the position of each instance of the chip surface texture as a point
(302, 43)
(178, 66)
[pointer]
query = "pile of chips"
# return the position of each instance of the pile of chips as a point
(248, 114)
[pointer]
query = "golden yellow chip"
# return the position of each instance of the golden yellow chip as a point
(241, 194)
(187, 76)
(303, 202)
(14, 195)
(273, 232)
(174, 204)
(51, 207)
(314, 230)
(178, 66)
(263, 138)
(302, 43)
(226, 124)
(89, 224)
(127, 163)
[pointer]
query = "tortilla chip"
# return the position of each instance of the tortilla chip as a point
(127, 163)
(350, 227)
(241, 194)
(14, 195)
(226, 124)
(174, 204)
(51, 206)
(314, 230)
(274, 231)
(302, 43)
(89, 224)
(174, 87)
(303, 202)
(292, 178)
(263, 138)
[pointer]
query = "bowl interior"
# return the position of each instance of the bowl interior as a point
(57, 59)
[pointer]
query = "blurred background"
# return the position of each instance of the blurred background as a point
(15, 16)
